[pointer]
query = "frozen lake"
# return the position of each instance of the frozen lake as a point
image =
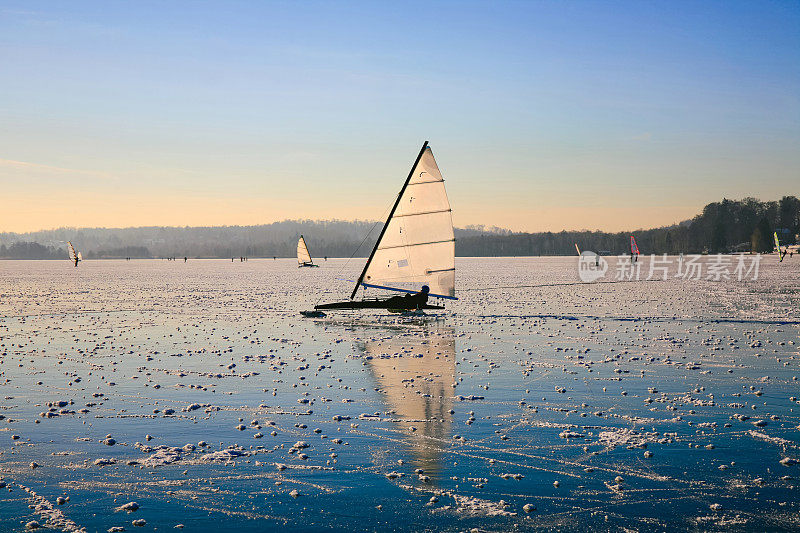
(198, 392)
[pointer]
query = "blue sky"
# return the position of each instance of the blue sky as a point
(542, 115)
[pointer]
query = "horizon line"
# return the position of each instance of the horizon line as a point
(481, 227)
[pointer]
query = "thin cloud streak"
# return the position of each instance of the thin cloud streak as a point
(25, 165)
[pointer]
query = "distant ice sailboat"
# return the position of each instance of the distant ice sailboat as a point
(415, 251)
(303, 256)
(781, 253)
(634, 250)
(73, 255)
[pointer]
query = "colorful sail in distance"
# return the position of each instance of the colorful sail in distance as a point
(634, 248)
(781, 253)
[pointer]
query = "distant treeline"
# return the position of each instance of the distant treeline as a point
(726, 226)
(332, 238)
(729, 225)
(31, 250)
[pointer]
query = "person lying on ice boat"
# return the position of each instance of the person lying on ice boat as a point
(417, 301)
(413, 301)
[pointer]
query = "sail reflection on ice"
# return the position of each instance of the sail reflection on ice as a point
(416, 375)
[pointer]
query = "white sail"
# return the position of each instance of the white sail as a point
(80, 257)
(418, 246)
(72, 254)
(303, 257)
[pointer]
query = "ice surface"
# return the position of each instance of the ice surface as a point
(195, 392)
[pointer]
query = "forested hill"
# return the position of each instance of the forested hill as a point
(724, 226)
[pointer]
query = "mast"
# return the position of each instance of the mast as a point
(391, 214)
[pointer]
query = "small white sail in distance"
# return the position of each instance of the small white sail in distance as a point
(417, 246)
(303, 257)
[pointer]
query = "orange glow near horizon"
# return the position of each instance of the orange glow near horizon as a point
(29, 213)
(41, 197)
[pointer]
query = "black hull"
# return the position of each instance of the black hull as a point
(373, 304)
(307, 265)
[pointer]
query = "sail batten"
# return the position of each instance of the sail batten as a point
(424, 213)
(417, 244)
(414, 244)
(424, 182)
